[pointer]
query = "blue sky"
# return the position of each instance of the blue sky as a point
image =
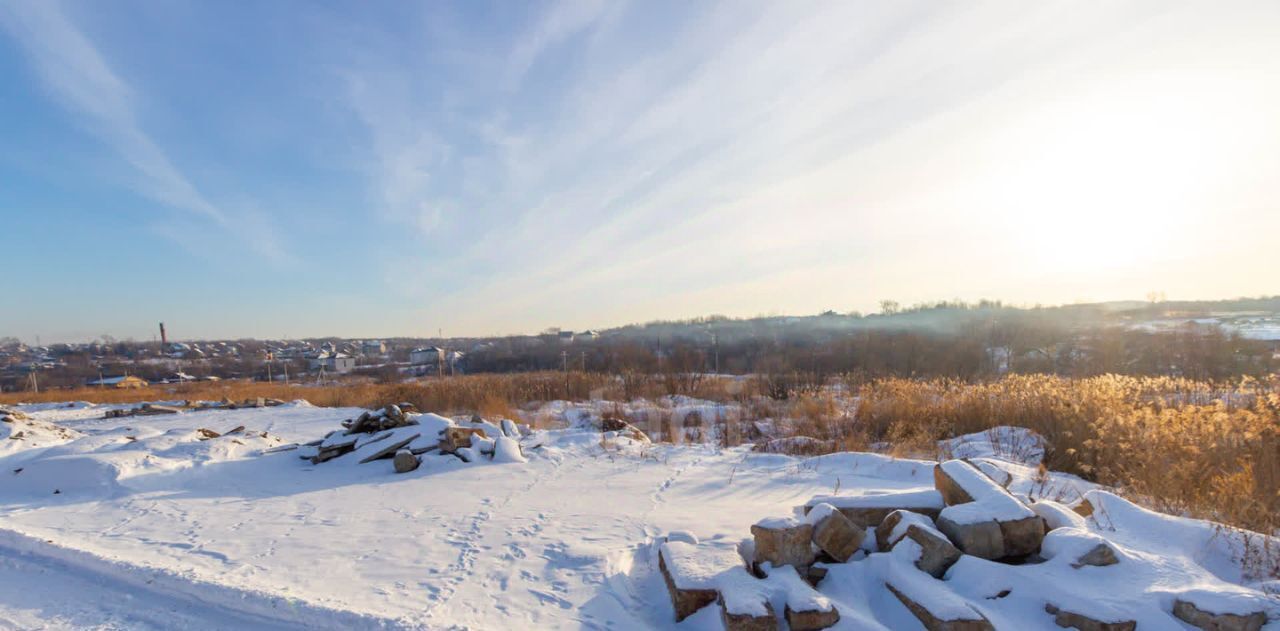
(375, 169)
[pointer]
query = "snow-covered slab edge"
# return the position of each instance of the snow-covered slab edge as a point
(256, 608)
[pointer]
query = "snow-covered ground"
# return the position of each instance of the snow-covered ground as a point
(137, 523)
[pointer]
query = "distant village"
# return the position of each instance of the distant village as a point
(109, 363)
(1196, 339)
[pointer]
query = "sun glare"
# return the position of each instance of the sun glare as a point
(1116, 177)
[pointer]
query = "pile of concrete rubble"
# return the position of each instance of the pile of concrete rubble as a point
(969, 512)
(18, 426)
(402, 434)
(154, 409)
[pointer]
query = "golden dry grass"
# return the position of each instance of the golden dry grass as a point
(1208, 450)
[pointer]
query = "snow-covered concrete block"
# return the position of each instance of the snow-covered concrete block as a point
(1100, 555)
(868, 510)
(1056, 515)
(834, 533)
(507, 449)
(1022, 536)
(997, 475)
(811, 620)
(1081, 622)
(894, 527)
(1080, 547)
(804, 607)
(691, 573)
(1193, 615)
(960, 482)
(744, 604)
(982, 539)
(936, 608)
(933, 553)
(509, 428)
(387, 448)
(783, 541)
(974, 500)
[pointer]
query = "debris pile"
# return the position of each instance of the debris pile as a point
(152, 409)
(969, 523)
(29, 432)
(399, 433)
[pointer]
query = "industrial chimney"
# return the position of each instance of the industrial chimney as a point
(164, 339)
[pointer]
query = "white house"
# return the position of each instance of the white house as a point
(426, 356)
(337, 363)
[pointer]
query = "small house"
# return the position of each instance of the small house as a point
(125, 382)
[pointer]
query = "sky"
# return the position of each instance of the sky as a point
(293, 169)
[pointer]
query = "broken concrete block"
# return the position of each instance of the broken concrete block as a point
(811, 620)
(783, 541)
(1100, 555)
(894, 527)
(1057, 515)
(405, 461)
(982, 539)
(936, 553)
(805, 608)
(952, 492)
(1073, 620)
(509, 428)
(997, 475)
(387, 448)
(455, 438)
(950, 615)
(1079, 547)
(867, 511)
(691, 572)
(1022, 536)
(836, 535)
(966, 523)
(1187, 612)
(815, 574)
(744, 602)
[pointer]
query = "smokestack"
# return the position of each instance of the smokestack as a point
(164, 339)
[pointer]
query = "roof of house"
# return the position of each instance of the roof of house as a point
(111, 381)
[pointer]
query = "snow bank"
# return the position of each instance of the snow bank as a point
(1015, 444)
(507, 449)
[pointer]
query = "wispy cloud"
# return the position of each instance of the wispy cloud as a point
(79, 77)
(677, 150)
(76, 73)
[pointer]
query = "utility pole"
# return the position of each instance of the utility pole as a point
(564, 359)
(715, 343)
(35, 385)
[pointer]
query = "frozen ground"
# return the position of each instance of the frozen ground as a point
(152, 528)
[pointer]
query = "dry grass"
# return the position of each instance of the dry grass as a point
(1208, 450)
